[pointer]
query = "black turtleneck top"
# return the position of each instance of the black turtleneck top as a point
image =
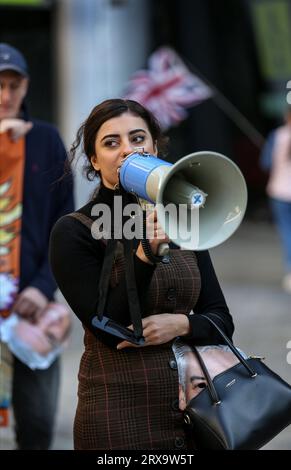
(76, 259)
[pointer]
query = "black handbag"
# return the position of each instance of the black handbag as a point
(243, 407)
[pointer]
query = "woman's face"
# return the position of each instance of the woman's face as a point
(116, 139)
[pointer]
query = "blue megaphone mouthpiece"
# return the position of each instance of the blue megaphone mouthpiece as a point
(136, 170)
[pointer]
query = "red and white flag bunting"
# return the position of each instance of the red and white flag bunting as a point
(167, 88)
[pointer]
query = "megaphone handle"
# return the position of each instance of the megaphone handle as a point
(163, 249)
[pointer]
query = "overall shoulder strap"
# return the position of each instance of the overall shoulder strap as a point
(84, 219)
(133, 300)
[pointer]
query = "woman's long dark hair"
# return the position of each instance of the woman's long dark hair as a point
(104, 111)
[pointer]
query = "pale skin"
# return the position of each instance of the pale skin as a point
(49, 331)
(13, 89)
(115, 140)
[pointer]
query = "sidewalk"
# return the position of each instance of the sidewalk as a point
(249, 268)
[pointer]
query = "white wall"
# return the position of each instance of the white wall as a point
(99, 46)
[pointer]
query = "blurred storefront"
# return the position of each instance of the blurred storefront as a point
(79, 52)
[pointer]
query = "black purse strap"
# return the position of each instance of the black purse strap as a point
(211, 387)
(106, 266)
(105, 276)
(133, 300)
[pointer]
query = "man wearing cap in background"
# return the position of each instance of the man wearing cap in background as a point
(42, 200)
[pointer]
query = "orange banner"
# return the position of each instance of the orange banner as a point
(5, 384)
(12, 156)
(11, 187)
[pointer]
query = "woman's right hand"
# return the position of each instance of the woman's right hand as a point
(154, 234)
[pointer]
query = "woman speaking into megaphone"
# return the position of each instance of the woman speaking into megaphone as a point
(128, 381)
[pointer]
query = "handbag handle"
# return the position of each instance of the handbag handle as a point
(212, 390)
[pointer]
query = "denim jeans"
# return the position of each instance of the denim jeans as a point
(34, 401)
(282, 216)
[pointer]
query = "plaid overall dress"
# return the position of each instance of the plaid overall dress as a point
(128, 399)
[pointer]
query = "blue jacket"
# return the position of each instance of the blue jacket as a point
(44, 201)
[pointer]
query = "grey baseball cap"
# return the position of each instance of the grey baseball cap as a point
(12, 59)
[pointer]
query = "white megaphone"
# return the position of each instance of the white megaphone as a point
(200, 200)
